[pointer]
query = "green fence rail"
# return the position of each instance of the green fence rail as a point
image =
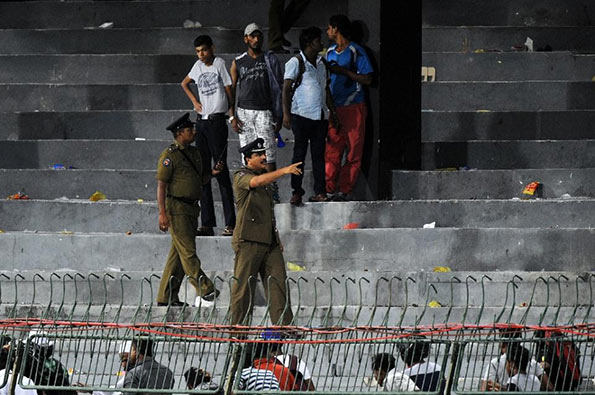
(438, 333)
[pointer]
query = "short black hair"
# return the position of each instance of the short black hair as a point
(308, 35)
(195, 377)
(143, 346)
(415, 352)
(203, 40)
(519, 356)
(384, 362)
(342, 23)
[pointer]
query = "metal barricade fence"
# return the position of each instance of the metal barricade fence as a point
(442, 337)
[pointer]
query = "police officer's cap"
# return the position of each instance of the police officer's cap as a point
(253, 147)
(180, 123)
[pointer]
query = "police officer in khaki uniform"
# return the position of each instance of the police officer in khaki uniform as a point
(180, 177)
(255, 241)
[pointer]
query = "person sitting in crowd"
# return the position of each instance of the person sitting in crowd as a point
(124, 349)
(517, 361)
(7, 356)
(143, 371)
(495, 375)
(560, 360)
(42, 368)
(425, 374)
(266, 358)
(298, 368)
(387, 377)
(196, 378)
(255, 379)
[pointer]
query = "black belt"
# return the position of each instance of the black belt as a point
(186, 200)
(211, 117)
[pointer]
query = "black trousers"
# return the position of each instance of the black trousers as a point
(211, 140)
(314, 132)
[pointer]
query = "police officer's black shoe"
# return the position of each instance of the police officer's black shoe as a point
(211, 295)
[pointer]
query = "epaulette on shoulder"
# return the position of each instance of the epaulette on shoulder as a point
(172, 148)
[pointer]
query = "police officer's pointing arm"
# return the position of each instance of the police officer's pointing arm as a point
(269, 177)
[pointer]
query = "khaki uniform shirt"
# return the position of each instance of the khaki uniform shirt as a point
(255, 210)
(181, 177)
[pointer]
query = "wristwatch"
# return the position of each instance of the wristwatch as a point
(230, 119)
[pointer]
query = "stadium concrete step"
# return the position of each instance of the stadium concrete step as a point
(108, 154)
(508, 96)
(82, 216)
(471, 249)
(163, 41)
(490, 184)
(150, 14)
(103, 68)
(510, 66)
(115, 184)
(463, 96)
(510, 125)
(124, 124)
(68, 97)
(536, 154)
(508, 13)
(436, 125)
(579, 39)
(366, 288)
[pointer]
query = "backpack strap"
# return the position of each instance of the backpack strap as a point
(300, 76)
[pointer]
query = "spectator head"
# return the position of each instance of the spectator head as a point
(338, 24)
(124, 349)
(507, 335)
(517, 359)
(42, 346)
(203, 40)
(194, 377)
(382, 364)
(141, 348)
(414, 353)
(253, 37)
(311, 36)
(203, 45)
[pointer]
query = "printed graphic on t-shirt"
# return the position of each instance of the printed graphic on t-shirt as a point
(258, 71)
(207, 83)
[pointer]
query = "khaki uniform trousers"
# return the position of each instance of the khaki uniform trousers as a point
(182, 259)
(252, 259)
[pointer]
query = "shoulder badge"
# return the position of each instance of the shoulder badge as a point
(166, 162)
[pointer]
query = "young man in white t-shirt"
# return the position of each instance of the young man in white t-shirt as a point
(517, 362)
(214, 101)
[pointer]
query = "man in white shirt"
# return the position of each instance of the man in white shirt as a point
(213, 83)
(517, 359)
(495, 375)
(306, 103)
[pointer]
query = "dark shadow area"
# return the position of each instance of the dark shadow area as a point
(400, 93)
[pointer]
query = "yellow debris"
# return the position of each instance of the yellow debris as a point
(97, 196)
(295, 268)
(441, 269)
(67, 232)
(434, 303)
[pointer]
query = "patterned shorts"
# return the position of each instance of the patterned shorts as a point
(258, 123)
